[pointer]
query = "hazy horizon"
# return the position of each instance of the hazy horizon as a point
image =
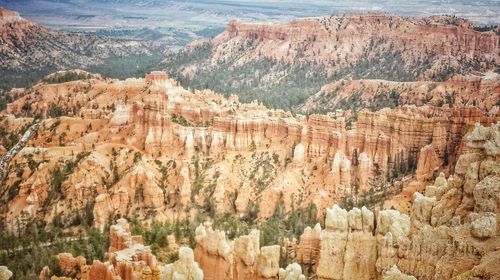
(202, 18)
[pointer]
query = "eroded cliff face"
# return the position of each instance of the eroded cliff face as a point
(451, 234)
(128, 259)
(184, 268)
(155, 149)
(308, 52)
(215, 257)
(13, 27)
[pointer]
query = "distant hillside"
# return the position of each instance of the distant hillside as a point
(459, 91)
(29, 51)
(283, 64)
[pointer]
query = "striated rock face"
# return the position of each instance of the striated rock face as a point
(13, 27)
(322, 49)
(155, 150)
(246, 252)
(428, 162)
(335, 236)
(341, 171)
(344, 233)
(308, 250)
(127, 253)
(213, 253)
(345, 30)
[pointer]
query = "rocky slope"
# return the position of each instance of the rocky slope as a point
(452, 233)
(5, 273)
(159, 152)
(267, 61)
(458, 91)
(26, 47)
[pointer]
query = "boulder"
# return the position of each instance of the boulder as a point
(5, 273)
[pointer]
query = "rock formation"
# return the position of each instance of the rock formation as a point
(156, 77)
(308, 250)
(449, 234)
(152, 150)
(344, 31)
(69, 265)
(128, 259)
(324, 49)
(242, 258)
(149, 145)
(156, 150)
(457, 91)
(213, 253)
(292, 272)
(184, 268)
(67, 50)
(395, 274)
(127, 253)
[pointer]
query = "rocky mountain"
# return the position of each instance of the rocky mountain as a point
(267, 61)
(29, 51)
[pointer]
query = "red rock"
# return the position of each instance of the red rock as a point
(309, 247)
(341, 41)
